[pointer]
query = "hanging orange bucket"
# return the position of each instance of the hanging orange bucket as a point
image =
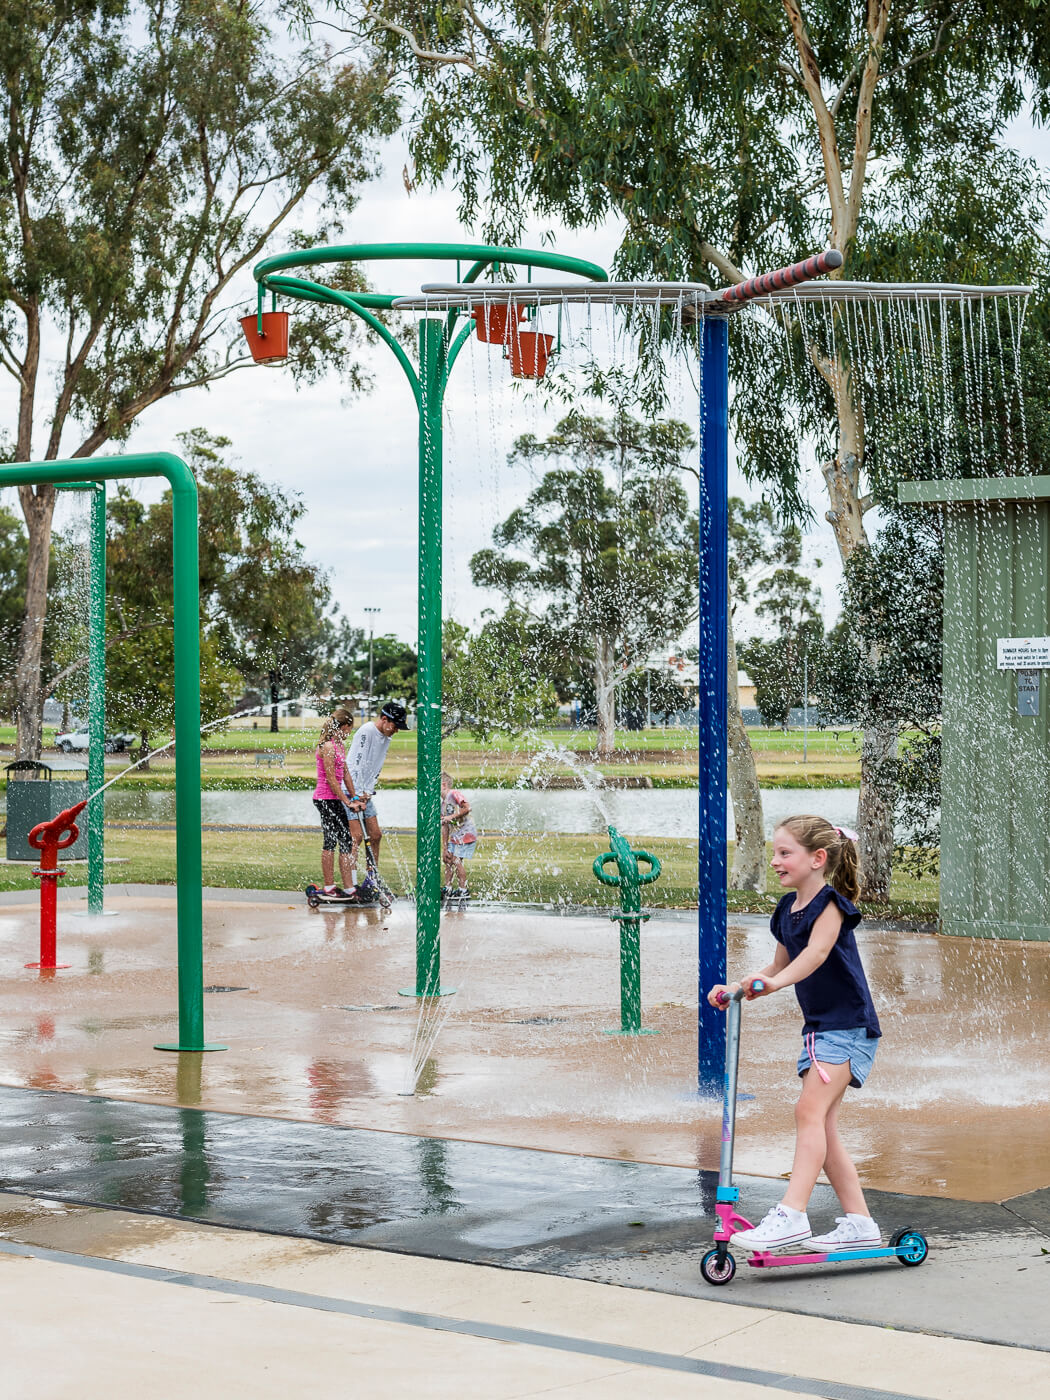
(494, 321)
(273, 343)
(529, 352)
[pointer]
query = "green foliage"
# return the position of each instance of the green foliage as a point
(694, 128)
(612, 569)
(12, 595)
(345, 667)
(495, 680)
(884, 658)
(152, 153)
(262, 601)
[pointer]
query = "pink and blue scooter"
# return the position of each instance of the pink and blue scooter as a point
(718, 1265)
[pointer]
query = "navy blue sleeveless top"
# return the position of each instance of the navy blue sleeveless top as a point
(835, 997)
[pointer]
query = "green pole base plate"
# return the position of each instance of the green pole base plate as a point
(617, 1030)
(188, 1049)
(441, 992)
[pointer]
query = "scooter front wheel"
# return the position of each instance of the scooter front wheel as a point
(913, 1242)
(717, 1269)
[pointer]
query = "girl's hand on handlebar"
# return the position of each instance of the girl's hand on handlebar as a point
(759, 986)
(719, 995)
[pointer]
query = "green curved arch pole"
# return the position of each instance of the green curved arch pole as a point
(186, 587)
(439, 345)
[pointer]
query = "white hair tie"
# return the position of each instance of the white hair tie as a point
(849, 835)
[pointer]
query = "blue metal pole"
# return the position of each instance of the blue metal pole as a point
(713, 715)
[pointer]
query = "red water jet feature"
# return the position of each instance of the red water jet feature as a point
(49, 838)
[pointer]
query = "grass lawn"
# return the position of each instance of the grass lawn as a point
(528, 867)
(667, 757)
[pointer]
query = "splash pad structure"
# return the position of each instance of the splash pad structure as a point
(186, 588)
(494, 310)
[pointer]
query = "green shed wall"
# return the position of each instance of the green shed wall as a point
(995, 776)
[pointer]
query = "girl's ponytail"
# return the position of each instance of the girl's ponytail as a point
(844, 871)
(817, 834)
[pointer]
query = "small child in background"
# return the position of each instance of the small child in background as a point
(459, 838)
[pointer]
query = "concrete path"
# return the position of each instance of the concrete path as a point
(100, 1303)
(635, 1224)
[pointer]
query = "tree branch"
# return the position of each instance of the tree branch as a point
(825, 122)
(49, 685)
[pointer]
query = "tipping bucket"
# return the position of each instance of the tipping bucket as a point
(273, 343)
(494, 322)
(529, 351)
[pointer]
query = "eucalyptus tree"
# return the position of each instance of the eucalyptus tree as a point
(733, 138)
(262, 600)
(611, 570)
(152, 150)
(765, 552)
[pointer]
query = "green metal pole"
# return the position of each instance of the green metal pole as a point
(187, 702)
(188, 860)
(97, 700)
(428, 706)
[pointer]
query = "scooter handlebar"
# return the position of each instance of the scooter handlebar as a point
(757, 985)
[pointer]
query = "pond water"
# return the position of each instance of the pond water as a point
(637, 811)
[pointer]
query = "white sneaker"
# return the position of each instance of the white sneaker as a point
(851, 1231)
(781, 1226)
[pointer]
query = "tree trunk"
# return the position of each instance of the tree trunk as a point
(144, 750)
(875, 807)
(749, 855)
(605, 694)
(38, 507)
(274, 697)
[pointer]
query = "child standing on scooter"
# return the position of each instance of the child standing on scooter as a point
(817, 955)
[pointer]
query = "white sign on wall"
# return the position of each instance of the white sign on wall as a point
(1023, 653)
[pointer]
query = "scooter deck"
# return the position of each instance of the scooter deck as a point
(764, 1259)
(315, 897)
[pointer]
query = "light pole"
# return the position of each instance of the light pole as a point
(372, 613)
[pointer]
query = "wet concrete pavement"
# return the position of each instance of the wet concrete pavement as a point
(301, 1126)
(638, 1225)
(955, 1107)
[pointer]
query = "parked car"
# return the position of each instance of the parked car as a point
(78, 739)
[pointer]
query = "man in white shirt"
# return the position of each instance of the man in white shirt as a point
(364, 763)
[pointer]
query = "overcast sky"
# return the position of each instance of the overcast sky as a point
(355, 462)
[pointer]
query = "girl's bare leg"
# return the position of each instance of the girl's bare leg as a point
(816, 1102)
(328, 867)
(840, 1170)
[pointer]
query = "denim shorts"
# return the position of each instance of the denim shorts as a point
(836, 1047)
(369, 810)
(461, 851)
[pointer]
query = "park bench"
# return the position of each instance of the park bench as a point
(269, 760)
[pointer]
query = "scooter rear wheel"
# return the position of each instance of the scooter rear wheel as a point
(717, 1270)
(914, 1241)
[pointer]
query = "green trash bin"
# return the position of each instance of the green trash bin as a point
(35, 796)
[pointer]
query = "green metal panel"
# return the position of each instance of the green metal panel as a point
(995, 818)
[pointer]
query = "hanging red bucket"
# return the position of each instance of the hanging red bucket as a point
(273, 343)
(494, 321)
(529, 351)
